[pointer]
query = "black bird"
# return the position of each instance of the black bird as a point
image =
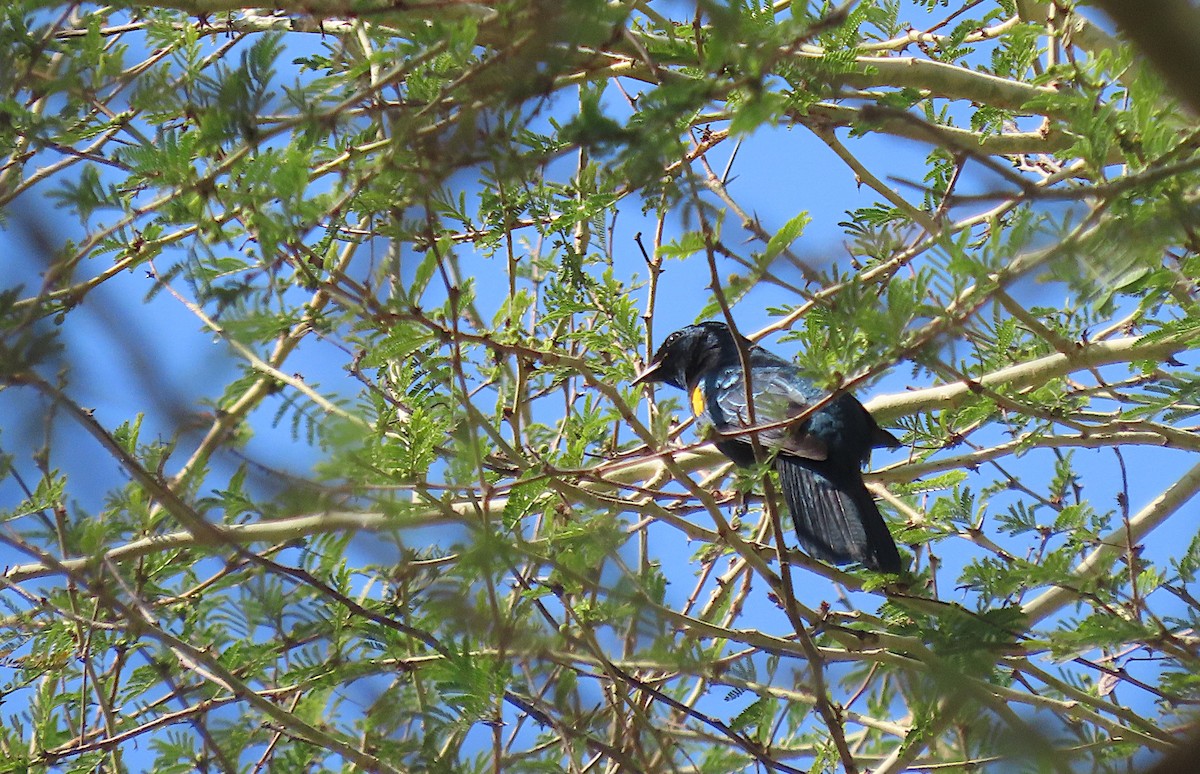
(819, 458)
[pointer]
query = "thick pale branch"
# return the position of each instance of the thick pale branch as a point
(1028, 374)
(1052, 140)
(939, 79)
(1169, 437)
(415, 9)
(277, 531)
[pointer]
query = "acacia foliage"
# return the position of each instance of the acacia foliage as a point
(470, 551)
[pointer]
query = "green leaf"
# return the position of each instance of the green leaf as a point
(790, 232)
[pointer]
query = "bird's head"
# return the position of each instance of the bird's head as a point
(688, 352)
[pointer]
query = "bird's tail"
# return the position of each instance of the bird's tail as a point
(835, 516)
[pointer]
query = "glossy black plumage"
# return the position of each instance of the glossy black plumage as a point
(819, 458)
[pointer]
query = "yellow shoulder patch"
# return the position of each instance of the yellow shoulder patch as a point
(698, 403)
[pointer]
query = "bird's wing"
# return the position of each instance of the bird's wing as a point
(779, 393)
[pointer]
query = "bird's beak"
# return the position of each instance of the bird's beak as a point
(648, 373)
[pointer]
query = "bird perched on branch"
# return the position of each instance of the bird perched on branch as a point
(819, 456)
